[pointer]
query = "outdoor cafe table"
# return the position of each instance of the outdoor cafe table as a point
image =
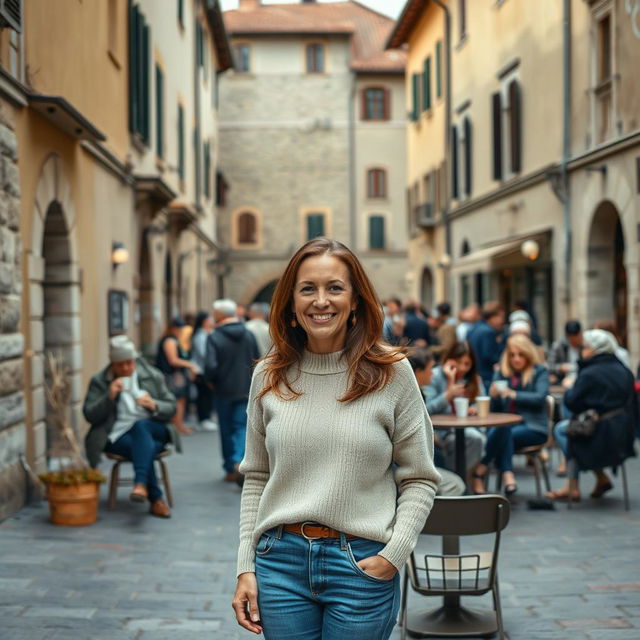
(451, 421)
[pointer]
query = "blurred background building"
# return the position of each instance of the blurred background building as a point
(312, 141)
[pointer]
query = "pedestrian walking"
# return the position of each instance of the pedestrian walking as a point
(205, 397)
(129, 408)
(326, 521)
(231, 354)
(178, 370)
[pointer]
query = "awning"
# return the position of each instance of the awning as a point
(481, 260)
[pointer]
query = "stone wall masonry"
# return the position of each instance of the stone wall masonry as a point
(12, 405)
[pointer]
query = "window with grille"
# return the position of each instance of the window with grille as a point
(315, 225)
(315, 58)
(376, 232)
(242, 57)
(376, 183)
(375, 104)
(247, 228)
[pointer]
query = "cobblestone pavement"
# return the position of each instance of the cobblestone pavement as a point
(563, 574)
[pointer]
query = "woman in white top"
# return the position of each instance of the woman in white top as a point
(339, 476)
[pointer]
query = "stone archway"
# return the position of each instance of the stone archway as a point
(54, 304)
(606, 272)
(266, 293)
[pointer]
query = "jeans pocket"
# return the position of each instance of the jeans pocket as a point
(362, 572)
(265, 544)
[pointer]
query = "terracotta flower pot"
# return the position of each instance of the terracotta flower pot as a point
(73, 505)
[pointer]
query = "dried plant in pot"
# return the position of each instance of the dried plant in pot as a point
(74, 490)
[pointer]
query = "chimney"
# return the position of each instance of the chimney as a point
(248, 5)
(308, 1)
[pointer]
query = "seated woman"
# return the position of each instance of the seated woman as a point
(520, 386)
(457, 377)
(421, 361)
(606, 385)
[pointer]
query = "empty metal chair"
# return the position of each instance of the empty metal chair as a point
(453, 574)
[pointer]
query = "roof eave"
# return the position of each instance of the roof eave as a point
(220, 35)
(405, 23)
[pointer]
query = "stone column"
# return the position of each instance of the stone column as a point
(12, 406)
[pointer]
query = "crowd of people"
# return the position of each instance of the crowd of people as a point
(484, 351)
(206, 363)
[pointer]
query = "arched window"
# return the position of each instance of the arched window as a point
(247, 228)
(376, 183)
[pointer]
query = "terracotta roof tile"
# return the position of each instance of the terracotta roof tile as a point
(369, 29)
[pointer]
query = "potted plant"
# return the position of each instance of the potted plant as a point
(74, 490)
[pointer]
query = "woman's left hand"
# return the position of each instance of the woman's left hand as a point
(378, 567)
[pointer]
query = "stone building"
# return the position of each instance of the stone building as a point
(540, 140)
(105, 188)
(312, 142)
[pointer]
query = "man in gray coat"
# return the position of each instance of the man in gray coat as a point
(129, 408)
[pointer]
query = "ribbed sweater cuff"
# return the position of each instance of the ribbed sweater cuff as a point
(246, 558)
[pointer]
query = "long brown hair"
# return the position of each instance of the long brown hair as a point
(459, 350)
(368, 357)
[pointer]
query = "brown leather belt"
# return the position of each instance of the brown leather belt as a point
(311, 531)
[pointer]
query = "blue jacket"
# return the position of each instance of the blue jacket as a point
(436, 400)
(487, 346)
(530, 399)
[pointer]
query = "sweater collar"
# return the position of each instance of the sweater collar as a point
(323, 363)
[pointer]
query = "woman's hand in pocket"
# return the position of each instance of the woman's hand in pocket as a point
(245, 602)
(378, 567)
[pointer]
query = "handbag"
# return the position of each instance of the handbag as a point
(584, 424)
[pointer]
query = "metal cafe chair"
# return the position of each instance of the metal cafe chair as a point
(453, 574)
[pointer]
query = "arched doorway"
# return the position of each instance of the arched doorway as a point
(606, 272)
(266, 293)
(426, 288)
(54, 308)
(145, 299)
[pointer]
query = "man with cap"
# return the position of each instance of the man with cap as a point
(564, 353)
(129, 408)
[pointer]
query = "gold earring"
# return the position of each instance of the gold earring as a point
(294, 322)
(354, 319)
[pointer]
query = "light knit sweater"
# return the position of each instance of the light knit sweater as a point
(315, 459)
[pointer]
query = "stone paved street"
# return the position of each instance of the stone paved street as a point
(130, 576)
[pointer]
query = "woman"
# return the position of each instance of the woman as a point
(606, 385)
(172, 361)
(205, 400)
(457, 378)
(520, 386)
(324, 528)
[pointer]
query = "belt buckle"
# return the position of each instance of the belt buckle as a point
(304, 535)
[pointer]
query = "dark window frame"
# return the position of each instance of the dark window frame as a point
(315, 57)
(375, 104)
(243, 62)
(313, 218)
(376, 182)
(247, 228)
(377, 232)
(159, 112)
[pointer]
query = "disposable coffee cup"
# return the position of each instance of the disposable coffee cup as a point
(501, 385)
(126, 383)
(482, 403)
(461, 406)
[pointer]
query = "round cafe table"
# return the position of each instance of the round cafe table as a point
(451, 421)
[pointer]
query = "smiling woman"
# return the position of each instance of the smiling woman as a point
(339, 476)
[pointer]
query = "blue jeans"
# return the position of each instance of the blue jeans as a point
(232, 416)
(314, 590)
(502, 441)
(141, 444)
(561, 437)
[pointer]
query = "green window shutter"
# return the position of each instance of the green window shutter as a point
(455, 190)
(181, 12)
(315, 225)
(207, 170)
(376, 232)
(133, 68)
(199, 44)
(159, 112)
(415, 88)
(438, 69)
(181, 142)
(426, 85)
(145, 131)
(197, 161)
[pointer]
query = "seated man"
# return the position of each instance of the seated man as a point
(129, 408)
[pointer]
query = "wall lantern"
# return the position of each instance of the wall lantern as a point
(119, 254)
(530, 249)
